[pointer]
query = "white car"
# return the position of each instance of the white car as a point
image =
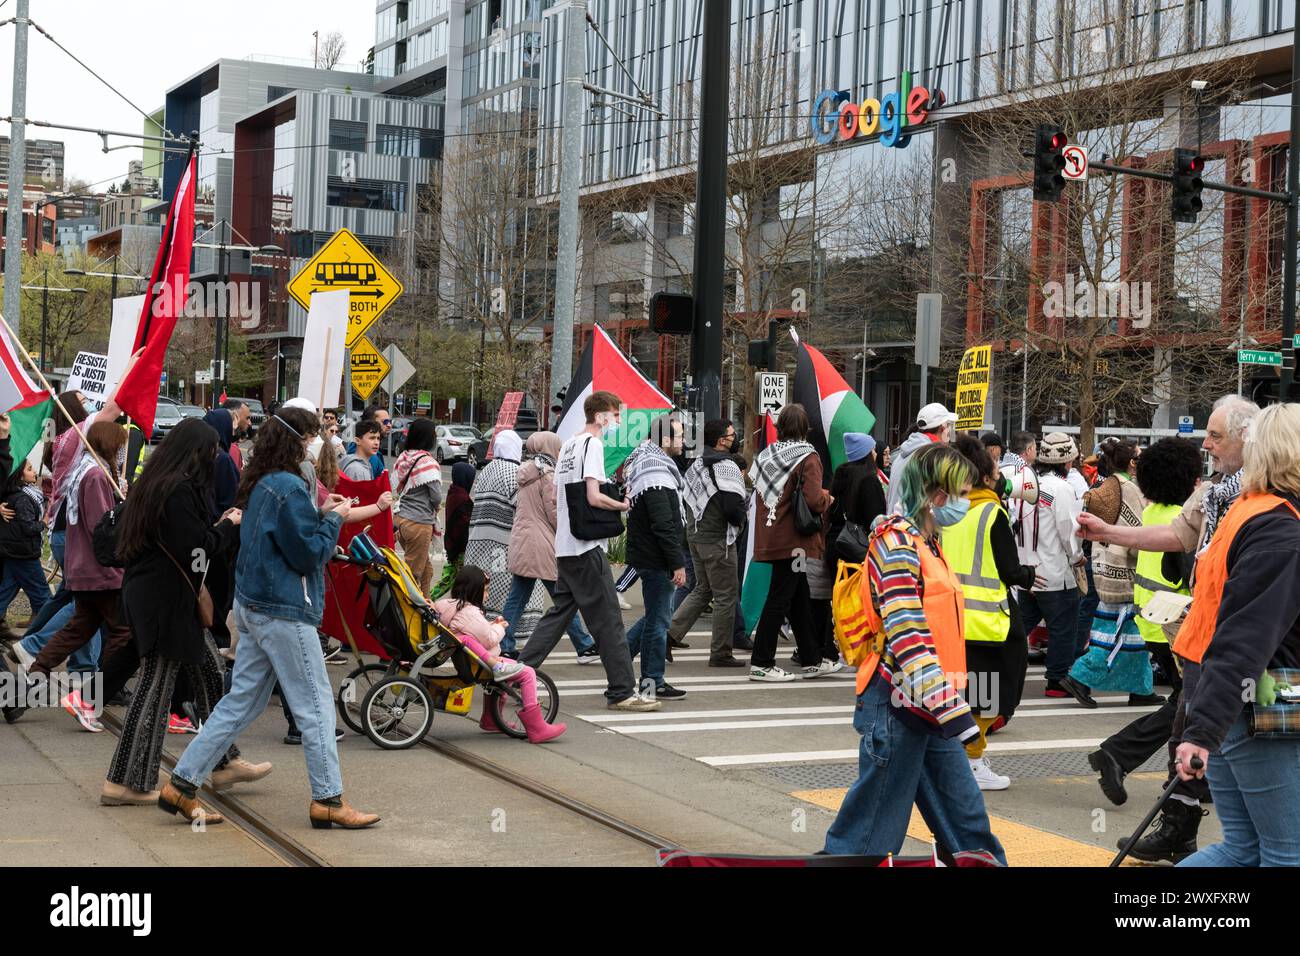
(454, 441)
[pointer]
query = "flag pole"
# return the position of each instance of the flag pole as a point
(13, 337)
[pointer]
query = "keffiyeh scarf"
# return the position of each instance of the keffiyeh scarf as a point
(704, 479)
(649, 466)
(495, 492)
(773, 468)
(1216, 502)
(415, 469)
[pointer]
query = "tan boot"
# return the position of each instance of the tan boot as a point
(116, 795)
(323, 817)
(238, 771)
(173, 801)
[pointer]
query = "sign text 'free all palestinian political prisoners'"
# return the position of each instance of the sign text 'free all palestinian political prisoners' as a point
(89, 376)
(973, 386)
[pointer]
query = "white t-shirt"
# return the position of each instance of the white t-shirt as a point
(569, 469)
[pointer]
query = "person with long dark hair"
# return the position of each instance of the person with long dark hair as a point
(455, 525)
(167, 541)
(95, 588)
(285, 541)
(418, 486)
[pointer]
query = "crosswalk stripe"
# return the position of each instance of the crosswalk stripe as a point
(809, 756)
(846, 677)
(788, 712)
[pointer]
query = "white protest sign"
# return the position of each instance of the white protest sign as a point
(121, 336)
(323, 346)
(89, 376)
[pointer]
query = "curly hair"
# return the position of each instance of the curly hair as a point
(1167, 471)
(278, 448)
(974, 451)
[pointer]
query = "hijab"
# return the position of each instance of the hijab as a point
(507, 446)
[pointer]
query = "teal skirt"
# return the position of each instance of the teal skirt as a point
(1117, 657)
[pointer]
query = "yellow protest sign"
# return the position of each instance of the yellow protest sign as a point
(369, 368)
(973, 386)
(344, 263)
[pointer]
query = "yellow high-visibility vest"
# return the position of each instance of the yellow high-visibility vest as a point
(1147, 576)
(969, 550)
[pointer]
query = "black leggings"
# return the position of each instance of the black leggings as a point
(787, 597)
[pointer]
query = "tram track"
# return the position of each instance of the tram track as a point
(260, 830)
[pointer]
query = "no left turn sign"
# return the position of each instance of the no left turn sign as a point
(1076, 162)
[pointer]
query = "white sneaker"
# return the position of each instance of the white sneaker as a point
(623, 604)
(986, 778)
(505, 669)
(636, 703)
(21, 656)
(770, 675)
(591, 656)
(821, 670)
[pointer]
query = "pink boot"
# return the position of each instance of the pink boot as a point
(486, 723)
(539, 731)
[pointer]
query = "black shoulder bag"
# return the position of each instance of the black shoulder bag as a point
(586, 522)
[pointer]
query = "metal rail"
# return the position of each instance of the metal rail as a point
(264, 833)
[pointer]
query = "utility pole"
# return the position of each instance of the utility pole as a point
(17, 171)
(218, 355)
(710, 206)
(566, 266)
(1289, 242)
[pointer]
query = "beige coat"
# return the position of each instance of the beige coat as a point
(532, 539)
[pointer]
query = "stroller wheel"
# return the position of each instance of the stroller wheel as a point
(505, 709)
(396, 713)
(353, 690)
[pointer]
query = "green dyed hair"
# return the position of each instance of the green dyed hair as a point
(929, 469)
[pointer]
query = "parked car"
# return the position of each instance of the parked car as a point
(191, 411)
(167, 417)
(454, 441)
(256, 413)
(524, 426)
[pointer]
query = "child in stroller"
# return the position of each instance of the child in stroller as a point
(462, 613)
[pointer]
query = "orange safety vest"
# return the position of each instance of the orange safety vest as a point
(942, 603)
(1212, 574)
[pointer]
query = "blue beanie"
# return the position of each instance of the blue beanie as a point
(858, 445)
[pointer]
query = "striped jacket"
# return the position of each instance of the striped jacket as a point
(923, 695)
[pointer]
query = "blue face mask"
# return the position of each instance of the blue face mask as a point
(951, 512)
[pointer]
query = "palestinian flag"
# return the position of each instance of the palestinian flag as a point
(603, 367)
(833, 407)
(29, 408)
(756, 577)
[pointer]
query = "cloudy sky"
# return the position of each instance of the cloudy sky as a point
(144, 46)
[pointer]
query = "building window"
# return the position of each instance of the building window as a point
(406, 141)
(348, 135)
(273, 93)
(366, 194)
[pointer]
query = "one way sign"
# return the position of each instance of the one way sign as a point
(773, 392)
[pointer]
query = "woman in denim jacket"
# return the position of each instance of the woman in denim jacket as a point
(284, 543)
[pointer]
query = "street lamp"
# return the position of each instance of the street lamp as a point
(1024, 350)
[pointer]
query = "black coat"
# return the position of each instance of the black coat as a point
(20, 538)
(655, 533)
(159, 606)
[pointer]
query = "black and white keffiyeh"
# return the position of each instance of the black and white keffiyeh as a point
(773, 468)
(704, 479)
(649, 466)
(1216, 502)
(495, 491)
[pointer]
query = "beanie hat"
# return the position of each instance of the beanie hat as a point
(1057, 448)
(857, 446)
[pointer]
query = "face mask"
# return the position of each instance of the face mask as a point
(609, 429)
(951, 512)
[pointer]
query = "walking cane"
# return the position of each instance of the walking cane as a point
(1196, 764)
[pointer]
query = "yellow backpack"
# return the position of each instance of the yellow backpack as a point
(859, 631)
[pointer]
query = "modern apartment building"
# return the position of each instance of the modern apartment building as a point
(44, 163)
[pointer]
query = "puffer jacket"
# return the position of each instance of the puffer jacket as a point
(532, 539)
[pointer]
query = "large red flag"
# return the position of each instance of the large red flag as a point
(164, 302)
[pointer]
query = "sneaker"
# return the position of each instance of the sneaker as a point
(636, 704)
(997, 725)
(1145, 700)
(180, 725)
(786, 633)
(1078, 692)
(669, 692)
(623, 604)
(335, 656)
(986, 778)
(726, 662)
(21, 656)
(505, 669)
(78, 708)
(821, 670)
(1055, 690)
(794, 658)
(589, 656)
(770, 675)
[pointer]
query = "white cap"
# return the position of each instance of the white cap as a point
(934, 415)
(303, 403)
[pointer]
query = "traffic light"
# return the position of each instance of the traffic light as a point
(1049, 142)
(672, 313)
(1186, 197)
(759, 356)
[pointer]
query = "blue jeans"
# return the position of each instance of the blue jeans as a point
(521, 591)
(269, 649)
(84, 659)
(898, 766)
(1060, 609)
(1087, 610)
(30, 577)
(649, 636)
(1254, 783)
(681, 593)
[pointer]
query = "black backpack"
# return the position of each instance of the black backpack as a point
(103, 540)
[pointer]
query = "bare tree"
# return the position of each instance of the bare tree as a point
(330, 52)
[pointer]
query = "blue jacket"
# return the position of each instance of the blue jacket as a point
(284, 542)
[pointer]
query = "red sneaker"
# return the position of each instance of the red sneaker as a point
(85, 714)
(180, 725)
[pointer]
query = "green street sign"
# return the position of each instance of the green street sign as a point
(1295, 341)
(1256, 357)
(425, 399)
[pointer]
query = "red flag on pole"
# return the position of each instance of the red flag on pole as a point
(164, 302)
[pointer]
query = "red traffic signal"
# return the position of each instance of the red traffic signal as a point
(1185, 199)
(1049, 141)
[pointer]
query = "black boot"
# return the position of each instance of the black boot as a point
(1174, 838)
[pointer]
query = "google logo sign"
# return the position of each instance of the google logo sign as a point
(890, 116)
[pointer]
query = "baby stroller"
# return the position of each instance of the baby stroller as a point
(428, 668)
